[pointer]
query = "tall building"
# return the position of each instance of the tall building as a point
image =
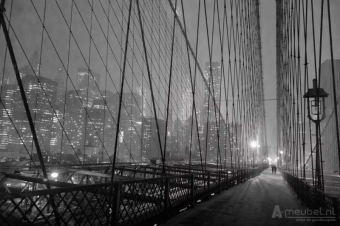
(130, 126)
(235, 142)
(150, 142)
(179, 140)
(213, 78)
(56, 131)
(74, 123)
(88, 82)
(142, 93)
(102, 129)
(61, 89)
(6, 108)
(33, 68)
(209, 127)
(39, 102)
(92, 136)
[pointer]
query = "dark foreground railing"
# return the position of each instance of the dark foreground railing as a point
(145, 201)
(312, 197)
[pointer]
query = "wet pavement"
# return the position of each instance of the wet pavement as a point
(263, 200)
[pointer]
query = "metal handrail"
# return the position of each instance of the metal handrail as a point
(312, 196)
(119, 203)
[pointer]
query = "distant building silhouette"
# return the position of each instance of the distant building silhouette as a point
(150, 141)
(87, 82)
(6, 111)
(39, 102)
(74, 123)
(211, 100)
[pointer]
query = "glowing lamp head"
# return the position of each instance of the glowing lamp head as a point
(54, 175)
(316, 102)
(253, 144)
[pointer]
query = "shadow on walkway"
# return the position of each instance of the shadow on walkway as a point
(250, 203)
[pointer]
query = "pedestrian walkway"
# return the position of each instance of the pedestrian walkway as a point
(250, 203)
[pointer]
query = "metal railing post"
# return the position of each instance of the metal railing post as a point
(166, 198)
(335, 202)
(208, 185)
(307, 196)
(237, 177)
(219, 181)
(116, 203)
(227, 179)
(192, 191)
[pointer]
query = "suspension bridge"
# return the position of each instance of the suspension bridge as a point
(128, 112)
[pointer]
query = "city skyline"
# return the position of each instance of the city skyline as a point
(79, 119)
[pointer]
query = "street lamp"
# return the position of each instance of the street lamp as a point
(254, 144)
(269, 160)
(54, 175)
(281, 157)
(316, 113)
(316, 99)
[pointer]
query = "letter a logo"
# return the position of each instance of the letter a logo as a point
(277, 212)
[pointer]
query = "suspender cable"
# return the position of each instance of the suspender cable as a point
(150, 81)
(169, 87)
(26, 106)
(121, 94)
(335, 97)
(193, 85)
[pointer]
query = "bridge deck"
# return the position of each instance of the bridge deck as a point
(250, 203)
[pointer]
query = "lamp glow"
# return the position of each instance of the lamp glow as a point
(253, 144)
(54, 175)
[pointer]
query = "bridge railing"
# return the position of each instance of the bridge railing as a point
(119, 203)
(313, 197)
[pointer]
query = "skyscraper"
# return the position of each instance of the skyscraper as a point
(56, 131)
(87, 82)
(102, 129)
(213, 78)
(61, 89)
(130, 125)
(150, 141)
(40, 96)
(33, 68)
(211, 101)
(6, 108)
(74, 123)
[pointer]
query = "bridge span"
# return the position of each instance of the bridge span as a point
(128, 112)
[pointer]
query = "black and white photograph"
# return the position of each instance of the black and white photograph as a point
(169, 112)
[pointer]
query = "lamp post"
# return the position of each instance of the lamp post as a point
(254, 145)
(281, 157)
(316, 113)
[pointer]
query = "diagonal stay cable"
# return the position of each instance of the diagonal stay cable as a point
(121, 94)
(152, 95)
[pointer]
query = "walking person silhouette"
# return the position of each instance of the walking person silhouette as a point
(273, 169)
